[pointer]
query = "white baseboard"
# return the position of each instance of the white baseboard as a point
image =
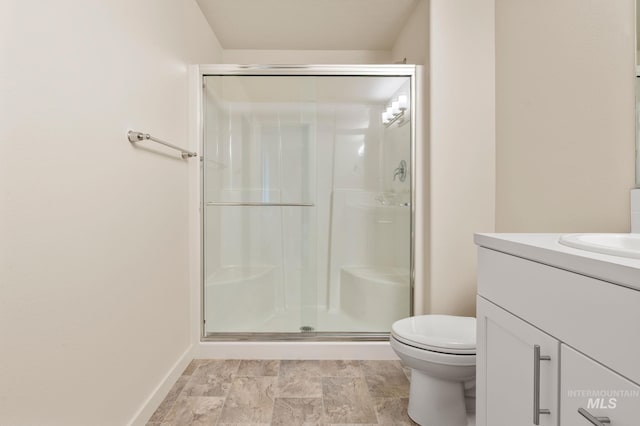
(296, 350)
(142, 416)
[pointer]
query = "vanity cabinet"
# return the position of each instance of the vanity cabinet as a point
(590, 388)
(576, 336)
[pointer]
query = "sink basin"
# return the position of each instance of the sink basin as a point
(624, 245)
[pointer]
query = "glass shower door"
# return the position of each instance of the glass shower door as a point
(307, 204)
(259, 204)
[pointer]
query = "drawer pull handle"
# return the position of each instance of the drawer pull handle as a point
(536, 384)
(595, 421)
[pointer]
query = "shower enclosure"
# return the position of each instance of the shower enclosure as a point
(307, 201)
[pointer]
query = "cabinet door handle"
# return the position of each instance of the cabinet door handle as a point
(595, 421)
(536, 384)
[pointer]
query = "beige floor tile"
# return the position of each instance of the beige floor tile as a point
(195, 411)
(407, 372)
(299, 379)
(243, 424)
(250, 400)
(340, 368)
(299, 387)
(352, 424)
(259, 367)
(327, 392)
(300, 367)
(393, 412)
(166, 405)
(347, 400)
(297, 412)
(193, 365)
(210, 367)
(385, 379)
(376, 367)
(212, 378)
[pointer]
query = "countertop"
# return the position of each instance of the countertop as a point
(545, 248)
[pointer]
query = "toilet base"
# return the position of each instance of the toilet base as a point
(436, 402)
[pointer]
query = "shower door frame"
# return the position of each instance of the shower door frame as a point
(198, 73)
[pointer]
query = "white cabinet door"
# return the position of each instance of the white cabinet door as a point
(506, 372)
(599, 391)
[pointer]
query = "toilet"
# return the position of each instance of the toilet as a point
(441, 352)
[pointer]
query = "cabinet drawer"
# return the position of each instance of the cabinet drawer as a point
(588, 385)
(593, 316)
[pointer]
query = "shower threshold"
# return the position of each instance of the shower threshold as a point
(326, 336)
(281, 326)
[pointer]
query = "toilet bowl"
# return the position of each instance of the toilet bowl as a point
(441, 352)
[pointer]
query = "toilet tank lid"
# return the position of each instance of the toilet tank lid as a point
(439, 331)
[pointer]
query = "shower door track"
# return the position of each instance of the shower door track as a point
(324, 336)
(394, 70)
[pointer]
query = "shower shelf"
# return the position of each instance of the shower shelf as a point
(261, 204)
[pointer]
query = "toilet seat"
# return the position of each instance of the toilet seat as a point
(437, 333)
(420, 355)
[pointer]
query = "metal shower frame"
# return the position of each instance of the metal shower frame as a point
(203, 71)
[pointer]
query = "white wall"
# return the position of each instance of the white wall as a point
(93, 256)
(454, 40)
(413, 41)
(565, 115)
(247, 56)
(462, 146)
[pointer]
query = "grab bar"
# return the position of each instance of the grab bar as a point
(261, 204)
(134, 136)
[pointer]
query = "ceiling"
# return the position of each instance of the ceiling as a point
(307, 24)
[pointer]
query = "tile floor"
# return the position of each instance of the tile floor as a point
(287, 392)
